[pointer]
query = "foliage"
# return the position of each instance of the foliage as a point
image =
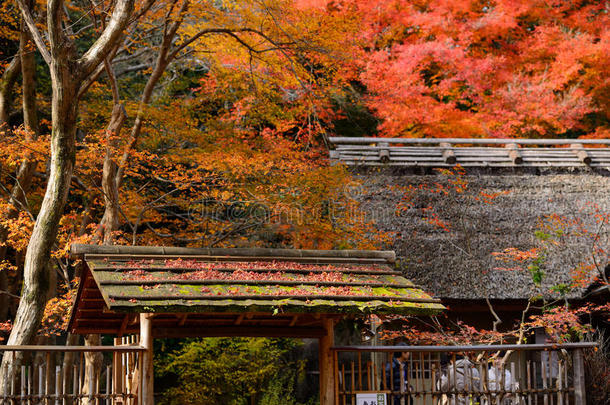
(231, 371)
(232, 150)
(597, 369)
(57, 313)
(486, 69)
(232, 145)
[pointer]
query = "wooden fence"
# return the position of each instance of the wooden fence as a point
(461, 375)
(62, 375)
(470, 152)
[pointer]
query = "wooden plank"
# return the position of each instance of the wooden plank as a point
(236, 298)
(243, 331)
(259, 282)
(464, 141)
(227, 253)
(152, 269)
(295, 283)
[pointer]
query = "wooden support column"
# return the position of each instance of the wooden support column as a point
(327, 377)
(580, 393)
(146, 340)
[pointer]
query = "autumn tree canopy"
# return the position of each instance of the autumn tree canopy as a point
(500, 68)
(205, 123)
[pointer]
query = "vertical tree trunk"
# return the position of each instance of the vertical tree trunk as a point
(7, 82)
(93, 367)
(36, 278)
(17, 198)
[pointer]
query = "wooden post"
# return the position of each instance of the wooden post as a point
(327, 376)
(146, 341)
(448, 154)
(580, 397)
(384, 154)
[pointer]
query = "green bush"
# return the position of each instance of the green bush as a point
(231, 371)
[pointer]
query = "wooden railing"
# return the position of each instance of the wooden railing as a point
(461, 375)
(61, 375)
(490, 152)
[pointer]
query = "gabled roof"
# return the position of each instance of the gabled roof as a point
(119, 281)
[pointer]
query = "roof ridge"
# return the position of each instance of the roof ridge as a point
(78, 249)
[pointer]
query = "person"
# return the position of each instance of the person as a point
(495, 380)
(393, 377)
(459, 382)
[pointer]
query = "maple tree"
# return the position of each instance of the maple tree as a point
(256, 156)
(501, 68)
(204, 124)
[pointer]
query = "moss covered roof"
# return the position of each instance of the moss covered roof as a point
(194, 285)
(129, 281)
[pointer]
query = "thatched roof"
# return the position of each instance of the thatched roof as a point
(120, 280)
(458, 264)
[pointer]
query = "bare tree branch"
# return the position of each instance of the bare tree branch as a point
(26, 12)
(102, 46)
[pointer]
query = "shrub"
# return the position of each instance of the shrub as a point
(597, 371)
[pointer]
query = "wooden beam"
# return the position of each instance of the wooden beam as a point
(464, 141)
(294, 320)
(146, 340)
(210, 297)
(241, 331)
(222, 254)
(368, 283)
(88, 330)
(239, 319)
(327, 376)
(580, 391)
(182, 319)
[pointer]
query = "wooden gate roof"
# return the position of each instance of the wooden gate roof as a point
(194, 289)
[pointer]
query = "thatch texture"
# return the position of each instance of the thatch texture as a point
(458, 263)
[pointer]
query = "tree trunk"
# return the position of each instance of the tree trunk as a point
(18, 198)
(36, 270)
(68, 71)
(110, 220)
(7, 82)
(93, 368)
